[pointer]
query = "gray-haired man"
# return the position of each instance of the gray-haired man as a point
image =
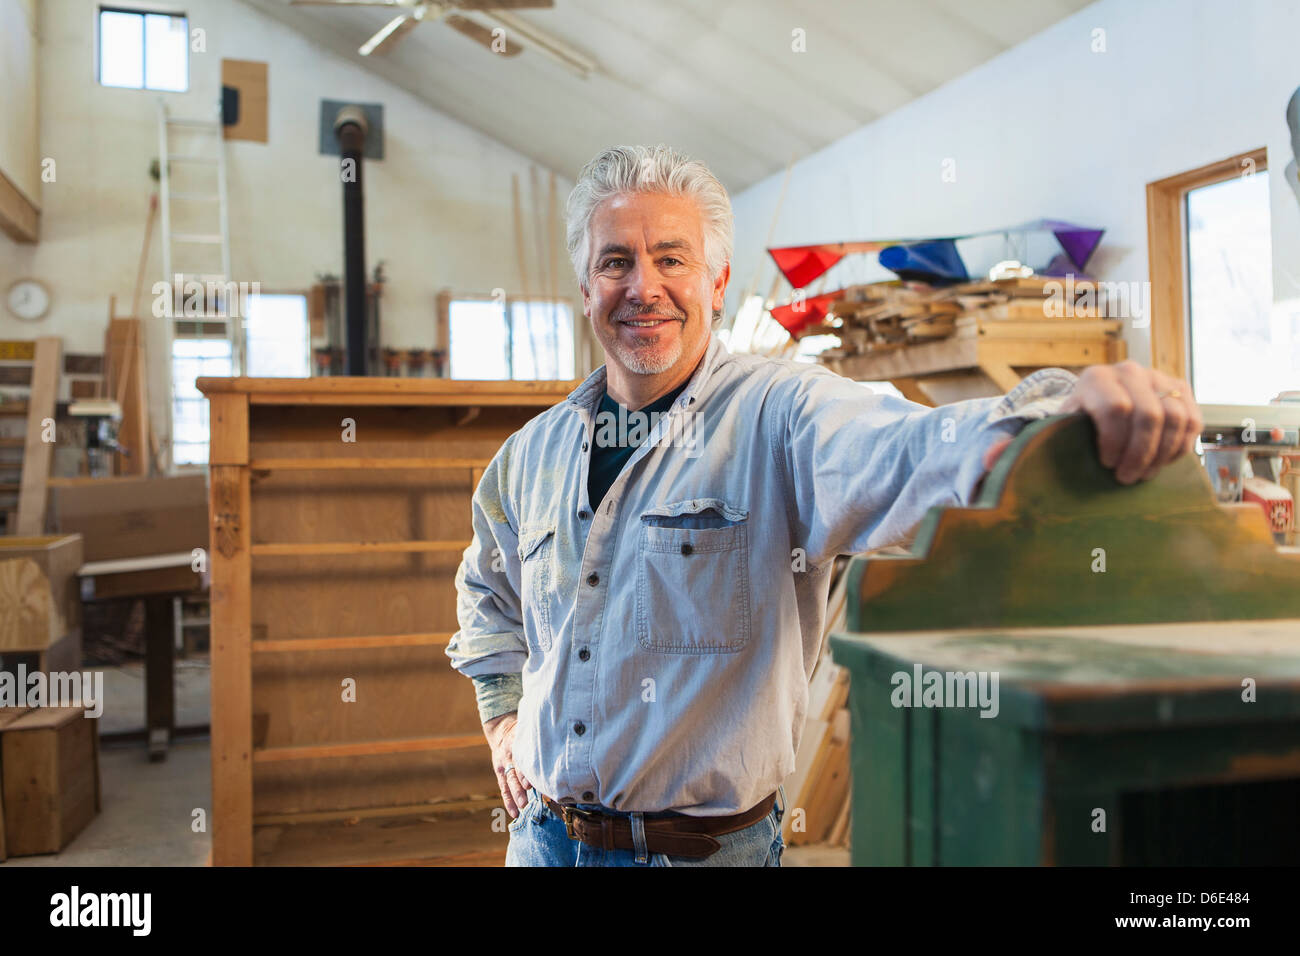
(641, 617)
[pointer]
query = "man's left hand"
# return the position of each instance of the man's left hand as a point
(1145, 419)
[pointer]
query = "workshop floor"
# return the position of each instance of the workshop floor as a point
(148, 809)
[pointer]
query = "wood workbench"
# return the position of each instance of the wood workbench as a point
(339, 511)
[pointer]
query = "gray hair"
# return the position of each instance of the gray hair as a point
(631, 169)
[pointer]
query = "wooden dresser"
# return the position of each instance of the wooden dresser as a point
(340, 508)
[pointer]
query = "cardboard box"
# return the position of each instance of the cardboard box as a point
(50, 610)
(49, 760)
(132, 517)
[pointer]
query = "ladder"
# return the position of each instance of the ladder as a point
(191, 153)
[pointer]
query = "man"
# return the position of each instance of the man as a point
(641, 616)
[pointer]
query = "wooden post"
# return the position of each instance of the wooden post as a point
(38, 454)
(232, 728)
(159, 673)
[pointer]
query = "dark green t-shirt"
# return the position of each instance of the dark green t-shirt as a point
(618, 433)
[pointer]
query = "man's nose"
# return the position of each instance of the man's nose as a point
(643, 285)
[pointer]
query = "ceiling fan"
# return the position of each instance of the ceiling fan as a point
(503, 43)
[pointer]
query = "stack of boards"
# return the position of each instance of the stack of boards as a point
(889, 315)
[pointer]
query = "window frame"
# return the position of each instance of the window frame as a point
(141, 10)
(1167, 255)
(446, 297)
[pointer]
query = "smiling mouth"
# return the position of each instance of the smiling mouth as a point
(647, 321)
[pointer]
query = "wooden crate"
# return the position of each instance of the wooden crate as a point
(339, 511)
(57, 557)
(49, 763)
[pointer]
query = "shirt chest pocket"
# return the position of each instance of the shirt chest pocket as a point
(537, 582)
(692, 584)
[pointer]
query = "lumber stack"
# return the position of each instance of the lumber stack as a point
(880, 316)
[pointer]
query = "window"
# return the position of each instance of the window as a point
(1242, 353)
(525, 340)
(1213, 319)
(277, 336)
(143, 51)
(277, 345)
(192, 358)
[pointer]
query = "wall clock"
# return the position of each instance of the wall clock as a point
(28, 300)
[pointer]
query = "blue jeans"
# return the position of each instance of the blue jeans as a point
(538, 837)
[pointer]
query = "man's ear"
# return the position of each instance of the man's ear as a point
(720, 287)
(586, 299)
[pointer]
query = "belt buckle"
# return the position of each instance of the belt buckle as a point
(568, 812)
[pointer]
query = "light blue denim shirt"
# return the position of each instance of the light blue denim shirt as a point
(665, 643)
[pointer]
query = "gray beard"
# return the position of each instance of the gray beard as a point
(647, 361)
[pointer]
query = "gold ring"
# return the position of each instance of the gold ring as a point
(1172, 393)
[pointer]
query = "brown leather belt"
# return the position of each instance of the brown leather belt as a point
(676, 836)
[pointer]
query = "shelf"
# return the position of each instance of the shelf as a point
(355, 547)
(454, 835)
(369, 748)
(14, 408)
(350, 643)
(322, 464)
(12, 442)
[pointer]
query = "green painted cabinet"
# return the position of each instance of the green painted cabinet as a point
(1077, 672)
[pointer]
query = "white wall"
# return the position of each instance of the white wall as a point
(1052, 129)
(18, 97)
(438, 206)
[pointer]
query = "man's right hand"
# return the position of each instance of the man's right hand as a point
(500, 733)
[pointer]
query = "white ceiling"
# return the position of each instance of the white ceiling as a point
(714, 78)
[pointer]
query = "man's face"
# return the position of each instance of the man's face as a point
(648, 292)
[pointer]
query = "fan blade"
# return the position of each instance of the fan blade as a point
(504, 4)
(481, 34)
(354, 3)
(386, 38)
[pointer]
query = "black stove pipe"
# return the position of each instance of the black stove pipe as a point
(350, 127)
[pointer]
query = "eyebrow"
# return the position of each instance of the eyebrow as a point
(614, 247)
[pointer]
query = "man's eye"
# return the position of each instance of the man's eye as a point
(670, 261)
(614, 263)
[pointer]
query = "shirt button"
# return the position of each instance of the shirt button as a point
(687, 549)
(579, 728)
(588, 796)
(593, 579)
(582, 516)
(584, 654)
(584, 446)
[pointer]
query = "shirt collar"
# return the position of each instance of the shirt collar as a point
(587, 395)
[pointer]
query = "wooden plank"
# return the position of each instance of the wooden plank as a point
(122, 565)
(19, 217)
(126, 381)
(231, 668)
(912, 390)
(228, 430)
(341, 389)
(1004, 376)
(369, 748)
(433, 837)
(265, 646)
(38, 455)
(84, 388)
(357, 547)
(249, 78)
(15, 375)
(326, 464)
